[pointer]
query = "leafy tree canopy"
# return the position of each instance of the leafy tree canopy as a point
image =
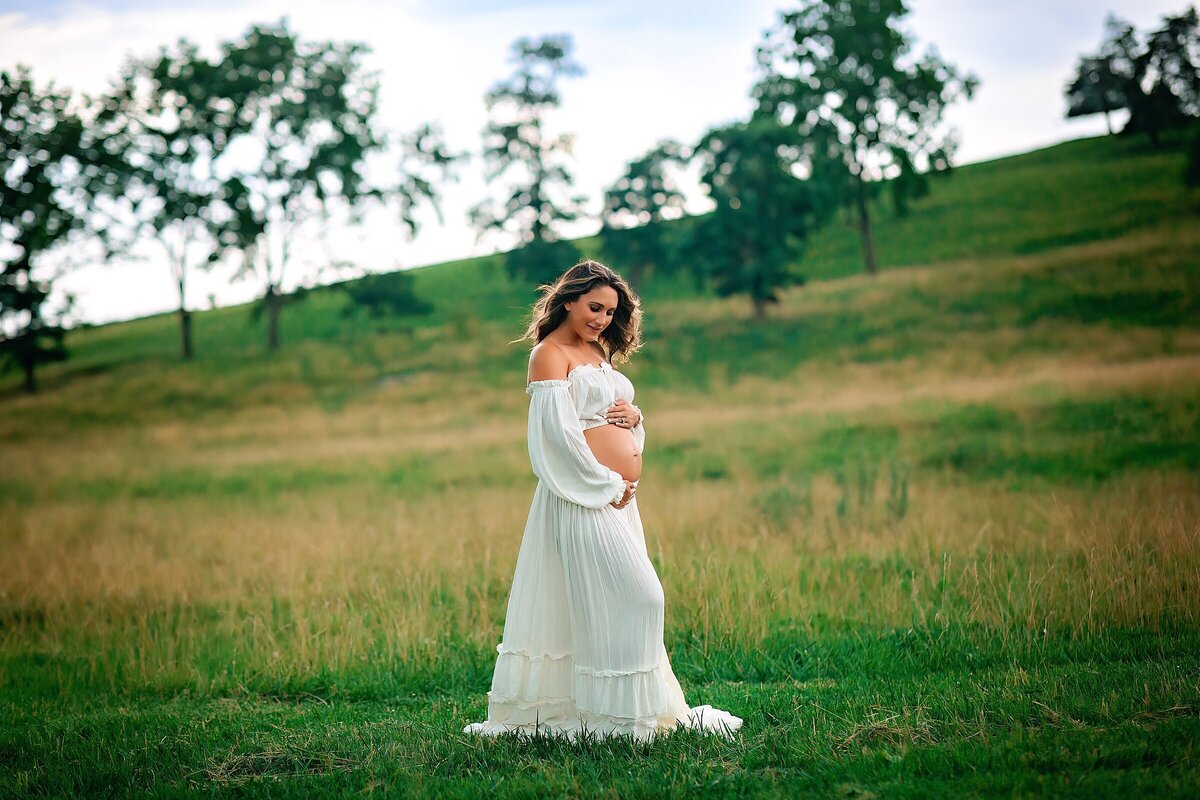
(1155, 76)
(633, 236)
(42, 152)
(530, 161)
(841, 75)
(751, 242)
(305, 124)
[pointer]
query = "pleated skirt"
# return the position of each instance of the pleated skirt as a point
(582, 651)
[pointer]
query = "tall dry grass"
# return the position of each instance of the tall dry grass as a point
(324, 580)
(275, 540)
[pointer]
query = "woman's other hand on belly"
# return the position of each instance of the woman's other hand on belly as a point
(623, 414)
(630, 491)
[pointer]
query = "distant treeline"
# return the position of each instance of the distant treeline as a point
(233, 159)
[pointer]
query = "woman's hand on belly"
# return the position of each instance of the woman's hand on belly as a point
(630, 491)
(623, 414)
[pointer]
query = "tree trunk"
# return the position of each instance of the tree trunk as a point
(864, 225)
(30, 381)
(760, 308)
(185, 331)
(636, 274)
(185, 316)
(758, 294)
(274, 304)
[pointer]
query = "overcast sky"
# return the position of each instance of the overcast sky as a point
(653, 71)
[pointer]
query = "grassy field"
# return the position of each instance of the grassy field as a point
(933, 533)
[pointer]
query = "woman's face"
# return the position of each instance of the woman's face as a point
(590, 313)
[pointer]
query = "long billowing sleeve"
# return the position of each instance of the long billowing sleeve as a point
(560, 454)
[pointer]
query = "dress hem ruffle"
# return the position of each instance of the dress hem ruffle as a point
(549, 695)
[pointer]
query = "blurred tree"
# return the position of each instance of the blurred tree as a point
(839, 72)
(166, 121)
(752, 240)
(42, 150)
(633, 235)
(384, 295)
(1158, 78)
(1096, 89)
(1173, 53)
(307, 111)
(516, 143)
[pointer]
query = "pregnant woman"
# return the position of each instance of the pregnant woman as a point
(582, 651)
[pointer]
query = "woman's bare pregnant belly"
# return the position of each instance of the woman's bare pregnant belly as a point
(616, 449)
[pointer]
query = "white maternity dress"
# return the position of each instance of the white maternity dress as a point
(583, 649)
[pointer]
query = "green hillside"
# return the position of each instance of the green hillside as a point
(1076, 192)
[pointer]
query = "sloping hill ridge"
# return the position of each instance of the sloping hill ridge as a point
(1087, 190)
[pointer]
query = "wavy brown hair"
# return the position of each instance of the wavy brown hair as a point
(621, 338)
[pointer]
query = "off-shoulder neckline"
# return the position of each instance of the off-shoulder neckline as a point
(601, 367)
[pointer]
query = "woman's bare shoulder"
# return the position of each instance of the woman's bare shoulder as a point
(547, 362)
